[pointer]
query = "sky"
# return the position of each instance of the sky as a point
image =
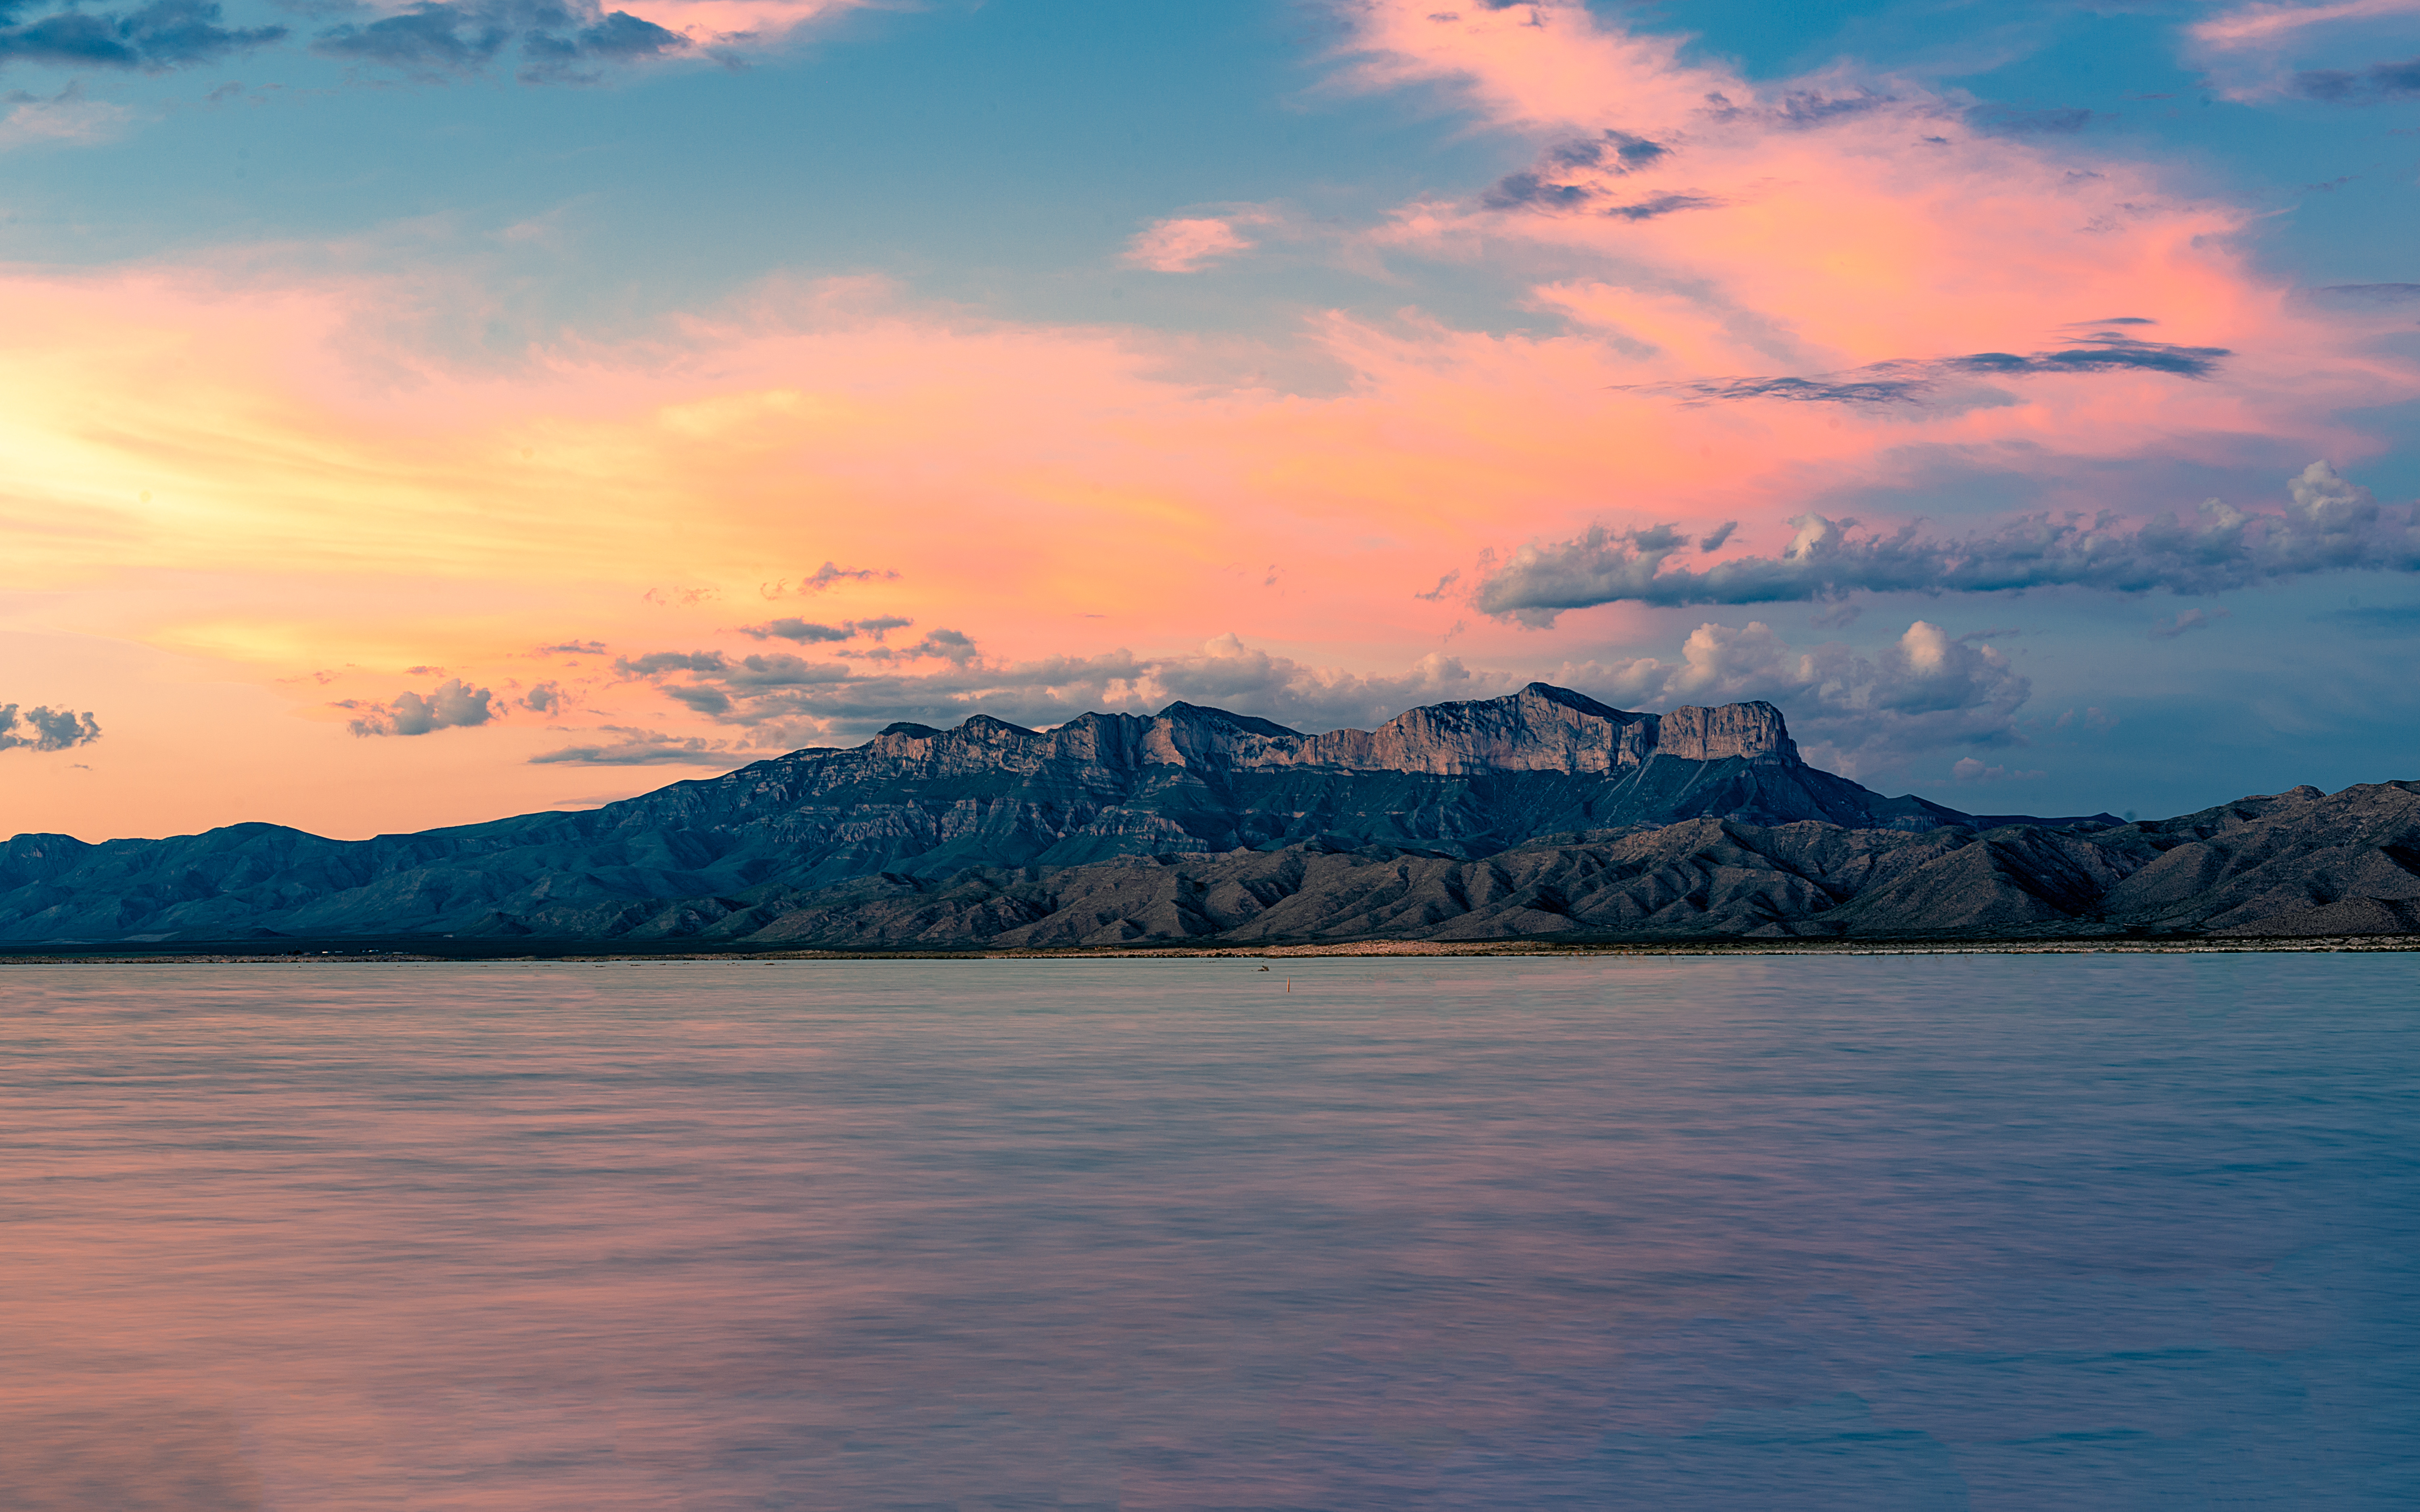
(416, 414)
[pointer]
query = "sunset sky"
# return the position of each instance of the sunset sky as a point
(414, 414)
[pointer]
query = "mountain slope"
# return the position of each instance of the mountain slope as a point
(1462, 781)
(2298, 864)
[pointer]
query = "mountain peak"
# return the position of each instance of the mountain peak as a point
(1570, 699)
(1180, 711)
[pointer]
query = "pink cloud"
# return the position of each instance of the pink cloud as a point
(711, 20)
(1185, 244)
(714, 21)
(2265, 25)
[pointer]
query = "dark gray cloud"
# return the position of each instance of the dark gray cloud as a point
(646, 748)
(452, 705)
(782, 669)
(807, 632)
(546, 698)
(800, 630)
(574, 648)
(2361, 87)
(42, 728)
(1800, 110)
(1534, 191)
(169, 34)
(1570, 176)
(1805, 108)
(1617, 153)
(557, 41)
(656, 662)
(2327, 525)
(1656, 205)
(1912, 380)
(829, 574)
(950, 645)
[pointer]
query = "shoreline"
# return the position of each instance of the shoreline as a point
(474, 955)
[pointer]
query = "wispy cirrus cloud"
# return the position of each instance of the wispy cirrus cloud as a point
(2267, 26)
(2270, 50)
(1908, 380)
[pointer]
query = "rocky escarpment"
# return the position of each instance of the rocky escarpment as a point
(1462, 781)
(1540, 729)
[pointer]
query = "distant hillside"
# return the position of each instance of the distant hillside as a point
(1541, 813)
(2299, 864)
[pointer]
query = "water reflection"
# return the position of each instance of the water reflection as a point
(1876, 1233)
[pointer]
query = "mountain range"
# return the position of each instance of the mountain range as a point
(1541, 814)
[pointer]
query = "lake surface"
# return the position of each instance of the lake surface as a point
(2022, 1232)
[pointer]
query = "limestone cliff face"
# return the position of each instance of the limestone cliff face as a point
(1540, 729)
(1752, 732)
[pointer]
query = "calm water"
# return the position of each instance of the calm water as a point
(1877, 1233)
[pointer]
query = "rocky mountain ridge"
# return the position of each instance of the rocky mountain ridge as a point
(1539, 729)
(1465, 794)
